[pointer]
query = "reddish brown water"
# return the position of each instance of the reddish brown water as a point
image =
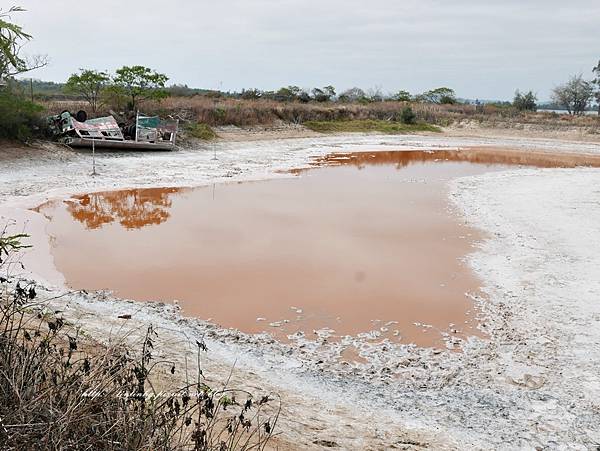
(368, 244)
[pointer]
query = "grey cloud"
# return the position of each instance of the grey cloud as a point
(483, 49)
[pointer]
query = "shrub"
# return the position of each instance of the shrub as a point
(251, 94)
(19, 119)
(408, 115)
(525, 102)
(201, 131)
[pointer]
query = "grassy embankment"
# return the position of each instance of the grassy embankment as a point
(369, 125)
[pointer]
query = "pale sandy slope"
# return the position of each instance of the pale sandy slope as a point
(541, 267)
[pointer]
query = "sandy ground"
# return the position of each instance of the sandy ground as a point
(534, 384)
(509, 129)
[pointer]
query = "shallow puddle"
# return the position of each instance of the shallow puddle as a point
(363, 244)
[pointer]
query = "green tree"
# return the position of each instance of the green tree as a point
(525, 102)
(304, 97)
(323, 95)
(141, 83)
(12, 40)
(288, 94)
(90, 85)
(115, 97)
(402, 96)
(18, 117)
(439, 95)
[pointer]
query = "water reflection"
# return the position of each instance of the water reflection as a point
(483, 155)
(133, 209)
(356, 252)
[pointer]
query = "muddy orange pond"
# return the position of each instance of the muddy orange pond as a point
(361, 242)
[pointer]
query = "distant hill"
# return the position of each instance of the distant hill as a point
(42, 89)
(49, 90)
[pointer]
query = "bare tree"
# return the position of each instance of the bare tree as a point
(375, 94)
(575, 95)
(12, 40)
(596, 81)
(353, 95)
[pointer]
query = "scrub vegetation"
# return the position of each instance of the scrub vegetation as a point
(201, 131)
(20, 119)
(59, 389)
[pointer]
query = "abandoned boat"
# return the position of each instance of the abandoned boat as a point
(146, 133)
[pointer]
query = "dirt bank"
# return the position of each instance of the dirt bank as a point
(497, 129)
(533, 384)
(460, 129)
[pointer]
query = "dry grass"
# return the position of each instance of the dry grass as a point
(214, 111)
(60, 390)
(247, 113)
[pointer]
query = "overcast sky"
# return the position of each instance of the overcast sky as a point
(482, 48)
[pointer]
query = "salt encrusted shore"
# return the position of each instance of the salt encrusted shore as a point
(533, 383)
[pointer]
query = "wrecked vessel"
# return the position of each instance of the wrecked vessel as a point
(147, 133)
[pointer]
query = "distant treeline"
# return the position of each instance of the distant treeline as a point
(49, 90)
